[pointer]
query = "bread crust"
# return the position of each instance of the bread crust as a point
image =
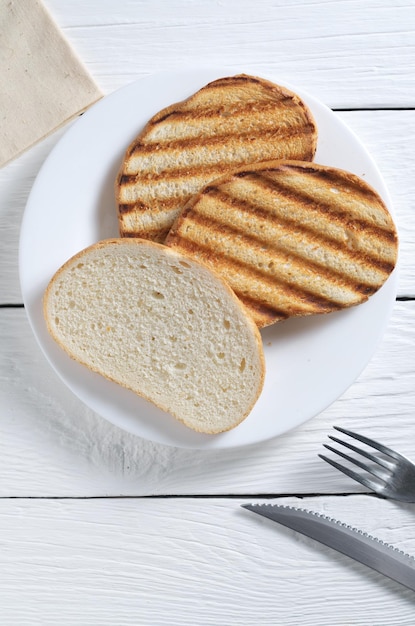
(230, 122)
(176, 256)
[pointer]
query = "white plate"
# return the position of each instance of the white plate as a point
(310, 362)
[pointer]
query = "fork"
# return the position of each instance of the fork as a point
(394, 474)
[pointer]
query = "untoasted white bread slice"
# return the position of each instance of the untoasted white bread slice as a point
(230, 122)
(162, 325)
(291, 238)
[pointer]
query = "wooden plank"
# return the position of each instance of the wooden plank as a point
(350, 56)
(179, 561)
(52, 445)
(389, 135)
(16, 180)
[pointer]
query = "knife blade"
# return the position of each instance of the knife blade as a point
(358, 545)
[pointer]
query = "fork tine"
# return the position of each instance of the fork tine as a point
(374, 444)
(372, 470)
(368, 455)
(366, 481)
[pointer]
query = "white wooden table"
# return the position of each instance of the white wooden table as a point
(100, 527)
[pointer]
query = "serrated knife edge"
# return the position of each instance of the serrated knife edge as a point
(358, 545)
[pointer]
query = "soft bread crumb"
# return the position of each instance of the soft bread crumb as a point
(161, 325)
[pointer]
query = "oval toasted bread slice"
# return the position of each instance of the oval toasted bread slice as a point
(230, 122)
(291, 238)
(161, 325)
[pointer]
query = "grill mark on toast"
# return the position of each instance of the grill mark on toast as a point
(325, 208)
(297, 295)
(262, 311)
(212, 172)
(347, 214)
(265, 178)
(137, 206)
(231, 81)
(212, 141)
(316, 234)
(153, 234)
(234, 80)
(127, 179)
(245, 108)
(332, 177)
(251, 241)
(127, 207)
(240, 79)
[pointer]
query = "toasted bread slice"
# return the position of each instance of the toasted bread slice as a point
(291, 238)
(230, 122)
(162, 325)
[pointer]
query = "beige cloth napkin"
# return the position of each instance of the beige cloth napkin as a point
(43, 84)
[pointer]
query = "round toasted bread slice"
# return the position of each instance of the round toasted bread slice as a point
(291, 238)
(230, 122)
(161, 325)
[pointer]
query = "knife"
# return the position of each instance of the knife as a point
(350, 541)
